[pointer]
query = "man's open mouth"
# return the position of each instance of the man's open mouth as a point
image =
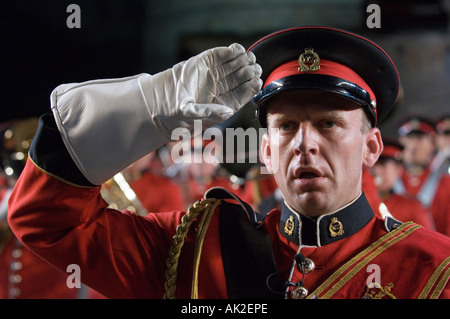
(308, 175)
(305, 173)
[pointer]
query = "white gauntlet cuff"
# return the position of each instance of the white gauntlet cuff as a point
(105, 125)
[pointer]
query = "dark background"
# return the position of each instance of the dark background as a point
(39, 51)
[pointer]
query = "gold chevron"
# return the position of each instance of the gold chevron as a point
(361, 260)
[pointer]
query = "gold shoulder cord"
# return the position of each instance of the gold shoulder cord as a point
(208, 207)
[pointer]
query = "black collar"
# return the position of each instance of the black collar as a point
(325, 229)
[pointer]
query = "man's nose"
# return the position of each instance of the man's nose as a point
(306, 140)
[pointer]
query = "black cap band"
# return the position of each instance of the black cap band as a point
(320, 82)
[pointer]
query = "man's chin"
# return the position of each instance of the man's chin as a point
(312, 204)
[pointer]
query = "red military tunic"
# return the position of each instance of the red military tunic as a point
(409, 209)
(24, 275)
(440, 207)
(123, 255)
(439, 204)
(158, 193)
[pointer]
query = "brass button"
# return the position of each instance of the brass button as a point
(307, 266)
(14, 292)
(395, 225)
(15, 278)
(16, 265)
(299, 292)
(16, 253)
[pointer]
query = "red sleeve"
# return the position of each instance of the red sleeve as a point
(121, 255)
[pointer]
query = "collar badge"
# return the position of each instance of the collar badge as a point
(289, 226)
(336, 228)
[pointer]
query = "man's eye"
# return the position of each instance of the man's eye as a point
(328, 124)
(286, 126)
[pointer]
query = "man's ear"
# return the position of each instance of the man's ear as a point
(373, 147)
(266, 152)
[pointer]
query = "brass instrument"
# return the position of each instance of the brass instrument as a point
(117, 191)
(119, 195)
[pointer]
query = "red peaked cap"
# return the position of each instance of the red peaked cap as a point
(443, 125)
(416, 124)
(350, 65)
(392, 149)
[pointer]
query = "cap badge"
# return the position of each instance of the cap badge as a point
(336, 228)
(309, 61)
(289, 225)
(415, 124)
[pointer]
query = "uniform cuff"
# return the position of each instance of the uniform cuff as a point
(49, 153)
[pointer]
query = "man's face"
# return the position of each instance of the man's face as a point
(418, 149)
(442, 141)
(316, 150)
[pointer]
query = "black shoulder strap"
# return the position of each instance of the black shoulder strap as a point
(390, 223)
(246, 250)
(223, 193)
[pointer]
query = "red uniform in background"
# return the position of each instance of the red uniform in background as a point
(409, 209)
(158, 192)
(387, 171)
(440, 204)
(430, 186)
(404, 208)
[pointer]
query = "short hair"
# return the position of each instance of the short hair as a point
(366, 124)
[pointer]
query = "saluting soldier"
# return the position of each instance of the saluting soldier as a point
(321, 101)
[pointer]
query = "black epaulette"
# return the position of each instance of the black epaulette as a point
(390, 223)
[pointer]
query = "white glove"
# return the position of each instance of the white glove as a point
(209, 87)
(107, 125)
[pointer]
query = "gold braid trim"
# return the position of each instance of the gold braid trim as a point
(438, 280)
(346, 272)
(208, 206)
